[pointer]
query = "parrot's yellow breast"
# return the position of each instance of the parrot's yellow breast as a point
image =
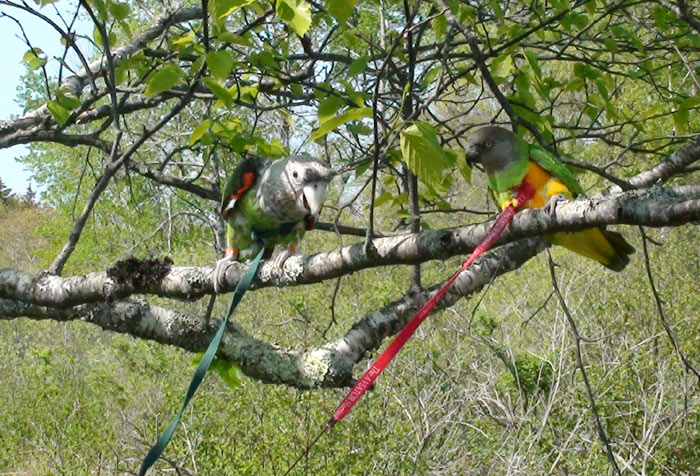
(545, 184)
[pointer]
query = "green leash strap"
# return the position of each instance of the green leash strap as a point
(243, 285)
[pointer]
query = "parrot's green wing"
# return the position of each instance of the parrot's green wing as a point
(551, 164)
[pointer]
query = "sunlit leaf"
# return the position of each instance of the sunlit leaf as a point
(220, 91)
(460, 158)
(296, 14)
(423, 153)
(224, 8)
(228, 37)
(220, 63)
(501, 67)
(34, 58)
(58, 112)
(351, 114)
(119, 10)
(534, 63)
(328, 107)
(680, 119)
(357, 66)
(163, 79)
(199, 131)
(65, 99)
(382, 199)
(340, 9)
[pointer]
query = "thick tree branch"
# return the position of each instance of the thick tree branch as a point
(97, 67)
(669, 206)
(673, 164)
(327, 366)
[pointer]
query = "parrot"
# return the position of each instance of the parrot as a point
(509, 160)
(267, 203)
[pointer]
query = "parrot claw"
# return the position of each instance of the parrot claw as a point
(281, 257)
(551, 204)
(220, 269)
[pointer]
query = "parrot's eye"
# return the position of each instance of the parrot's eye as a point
(488, 144)
(295, 174)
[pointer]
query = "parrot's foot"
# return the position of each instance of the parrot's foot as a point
(508, 203)
(281, 257)
(220, 271)
(551, 204)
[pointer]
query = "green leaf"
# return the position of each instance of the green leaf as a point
(359, 129)
(33, 58)
(220, 63)
(120, 75)
(383, 198)
(228, 37)
(340, 9)
(184, 40)
(495, 4)
(296, 14)
(328, 107)
(264, 58)
(101, 9)
(430, 76)
(230, 372)
(501, 67)
(199, 131)
(534, 63)
(690, 102)
(247, 93)
(97, 36)
(575, 84)
(67, 100)
(580, 20)
(297, 89)
(60, 113)
(560, 5)
(460, 158)
(439, 25)
(611, 45)
(423, 153)
(223, 8)
(680, 118)
(357, 66)
(163, 79)
(351, 114)
(119, 10)
(219, 91)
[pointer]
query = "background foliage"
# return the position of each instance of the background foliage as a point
(490, 386)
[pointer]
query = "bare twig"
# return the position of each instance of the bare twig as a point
(579, 361)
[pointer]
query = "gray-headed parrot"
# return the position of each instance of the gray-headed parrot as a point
(509, 160)
(270, 203)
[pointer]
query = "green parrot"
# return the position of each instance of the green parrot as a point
(270, 203)
(509, 160)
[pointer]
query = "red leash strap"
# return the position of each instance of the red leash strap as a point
(523, 193)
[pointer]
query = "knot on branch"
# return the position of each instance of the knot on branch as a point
(140, 273)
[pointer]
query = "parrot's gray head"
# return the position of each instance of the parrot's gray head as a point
(308, 179)
(493, 147)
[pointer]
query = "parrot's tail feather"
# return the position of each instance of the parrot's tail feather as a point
(622, 250)
(606, 247)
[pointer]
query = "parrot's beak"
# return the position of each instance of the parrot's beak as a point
(314, 194)
(472, 154)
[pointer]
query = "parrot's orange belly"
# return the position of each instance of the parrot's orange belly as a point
(545, 185)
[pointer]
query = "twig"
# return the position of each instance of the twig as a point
(660, 309)
(579, 362)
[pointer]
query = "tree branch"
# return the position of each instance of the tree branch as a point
(327, 366)
(669, 206)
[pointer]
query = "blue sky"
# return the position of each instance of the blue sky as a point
(13, 48)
